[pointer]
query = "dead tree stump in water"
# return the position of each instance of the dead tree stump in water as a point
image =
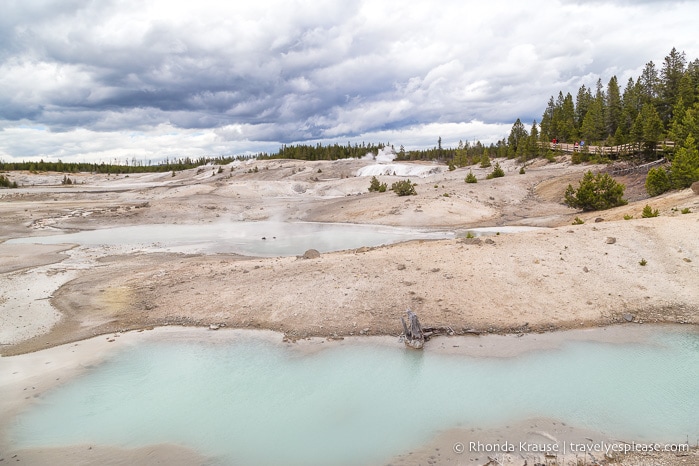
(414, 336)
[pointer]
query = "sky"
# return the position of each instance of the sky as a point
(108, 80)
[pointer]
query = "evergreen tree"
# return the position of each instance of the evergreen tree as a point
(582, 105)
(652, 126)
(636, 133)
(497, 172)
(614, 107)
(631, 106)
(649, 83)
(517, 139)
(693, 73)
(567, 130)
(686, 92)
(657, 181)
(532, 146)
(669, 88)
(595, 192)
(548, 132)
(593, 128)
(685, 165)
(684, 125)
(620, 136)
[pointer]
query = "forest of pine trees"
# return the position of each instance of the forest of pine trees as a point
(659, 105)
(115, 168)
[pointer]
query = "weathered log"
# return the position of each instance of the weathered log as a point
(414, 336)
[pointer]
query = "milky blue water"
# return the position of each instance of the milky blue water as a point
(266, 238)
(251, 401)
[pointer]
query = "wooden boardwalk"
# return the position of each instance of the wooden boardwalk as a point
(622, 150)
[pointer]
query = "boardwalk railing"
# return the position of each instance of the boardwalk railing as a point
(645, 167)
(621, 150)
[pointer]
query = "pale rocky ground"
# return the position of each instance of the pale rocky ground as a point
(564, 277)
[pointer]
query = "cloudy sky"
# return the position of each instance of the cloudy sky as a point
(84, 80)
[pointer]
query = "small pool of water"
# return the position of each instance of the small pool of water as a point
(252, 401)
(265, 238)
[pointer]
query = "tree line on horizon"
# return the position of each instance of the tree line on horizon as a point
(135, 166)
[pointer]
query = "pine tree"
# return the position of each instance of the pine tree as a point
(685, 165)
(686, 92)
(567, 129)
(548, 131)
(669, 88)
(595, 192)
(614, 107)
(532, 146)
(685, 125)
(517, 139)
(693, 73)
(593, 129)
(582, 105)
(652, 126)
(657, 181)
(631, 106)
(649, 83)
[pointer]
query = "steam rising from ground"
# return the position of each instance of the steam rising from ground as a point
(384, 166)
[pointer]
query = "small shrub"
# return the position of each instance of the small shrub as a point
(685, 165)
(445, 195)
(66, 180)
(220, 169)
(643, 262)
(376, 186)
(578, 221)
(451, 166)
(595, 192)
(319, 171)
(6, 183)
(469, 235)
(471, 178)
(497, 172)
(436, 186)
(686, 210)
(521, 171)
(628, 217)
(404, 188)
(657, 181)
(173, 173)
(648, 212)
(485, 161)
